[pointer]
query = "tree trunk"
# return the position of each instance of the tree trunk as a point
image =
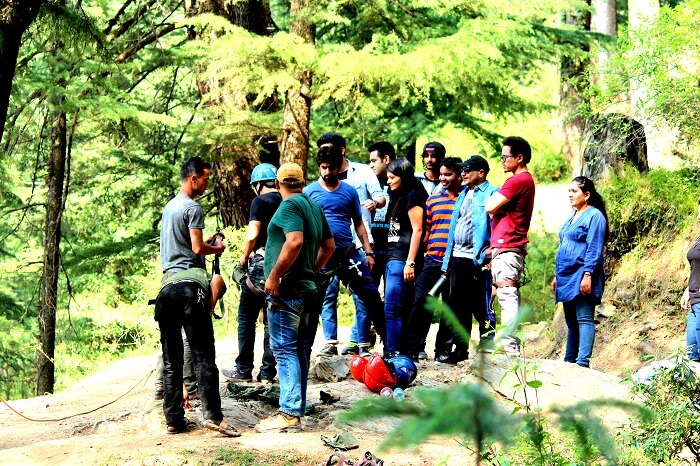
(603, 21)
(233, 163)
(15, 18)
(294, 146)
(52, 257)
(573, 81)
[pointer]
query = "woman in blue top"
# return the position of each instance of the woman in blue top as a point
(578, 281)
(406, 215)
(690, 300)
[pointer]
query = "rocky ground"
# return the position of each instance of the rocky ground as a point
(111, 418)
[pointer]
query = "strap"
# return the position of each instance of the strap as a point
(251, 287)
(504, 283)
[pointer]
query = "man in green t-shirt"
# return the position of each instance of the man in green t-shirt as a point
(299, 242)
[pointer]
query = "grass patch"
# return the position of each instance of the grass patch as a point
(237, 457)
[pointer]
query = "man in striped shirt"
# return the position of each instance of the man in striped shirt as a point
(438, 215)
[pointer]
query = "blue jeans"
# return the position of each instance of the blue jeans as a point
(288, 335)
(248, 309)
(692, 332)
(329, 316)
(579, 342)
(398, 300)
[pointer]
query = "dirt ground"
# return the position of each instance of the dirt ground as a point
(123, 425)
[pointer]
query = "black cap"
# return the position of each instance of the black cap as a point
(436, 148)
(475, 162)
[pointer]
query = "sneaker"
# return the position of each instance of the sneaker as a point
(442, 358)
(352, 348)
(511, 346)
(329, 350)
(422, 356)
(234, 376)
(280, 422)
(363, 350)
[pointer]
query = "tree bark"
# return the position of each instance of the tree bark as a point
(52, 257)
(603, 21)
(233, 162)
(573, 81)
(294, 146)
(15, 17)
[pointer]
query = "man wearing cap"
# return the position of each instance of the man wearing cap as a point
(372, 198)
(468, 251)
(252, 299)
(433, 155)
(299, 242)
(511, 210)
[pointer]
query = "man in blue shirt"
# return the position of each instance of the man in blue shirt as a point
(341, 206)
(468, 251)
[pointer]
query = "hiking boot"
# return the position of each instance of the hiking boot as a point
(234, 376)
(422, 356)
(280, 422)
(352, 348)
(329, 350)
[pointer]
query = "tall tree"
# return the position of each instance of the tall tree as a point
(294, 146)
(15, 17)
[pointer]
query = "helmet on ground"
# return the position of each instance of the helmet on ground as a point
(405, 370)
(263, 172)
(378, 375)
(357, 367)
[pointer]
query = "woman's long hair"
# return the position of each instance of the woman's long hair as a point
(594, 199)
(405, 171)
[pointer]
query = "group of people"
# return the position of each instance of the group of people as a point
(447, 231)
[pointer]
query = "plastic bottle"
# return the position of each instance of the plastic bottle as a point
(386, 392)
(399, 395)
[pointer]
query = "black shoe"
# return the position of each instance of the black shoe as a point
(329, 350)
(443, 358)
(458, 356)
(352, 348)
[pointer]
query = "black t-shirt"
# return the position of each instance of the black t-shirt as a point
(400, 230)
(380, 220)
(262, 209)
(694, 282)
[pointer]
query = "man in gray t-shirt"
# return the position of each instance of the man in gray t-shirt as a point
(185, 302)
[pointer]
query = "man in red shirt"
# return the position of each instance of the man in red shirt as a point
(511, 208)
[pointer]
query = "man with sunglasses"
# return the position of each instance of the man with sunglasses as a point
(511, 210)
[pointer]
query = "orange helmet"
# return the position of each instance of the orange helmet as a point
(357, 367)
(378, 375)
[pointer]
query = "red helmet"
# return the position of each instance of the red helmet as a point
(357, 367)
(378, 375)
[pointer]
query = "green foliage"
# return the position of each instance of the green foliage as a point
(660, 58)
(673, 396)
(549, 166)
(655, 207)
(539, 273)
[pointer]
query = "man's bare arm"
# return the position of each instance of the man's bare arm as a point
(250, 239)
(294, 241)
(324, 253)
(202, 248)
(495, 202)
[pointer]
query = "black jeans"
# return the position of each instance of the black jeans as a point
(249, 308)
(185, 305)
(468, 298)
(419, 319)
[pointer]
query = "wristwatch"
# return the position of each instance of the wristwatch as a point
(586, 273)
(370, 254)
(411, 263)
